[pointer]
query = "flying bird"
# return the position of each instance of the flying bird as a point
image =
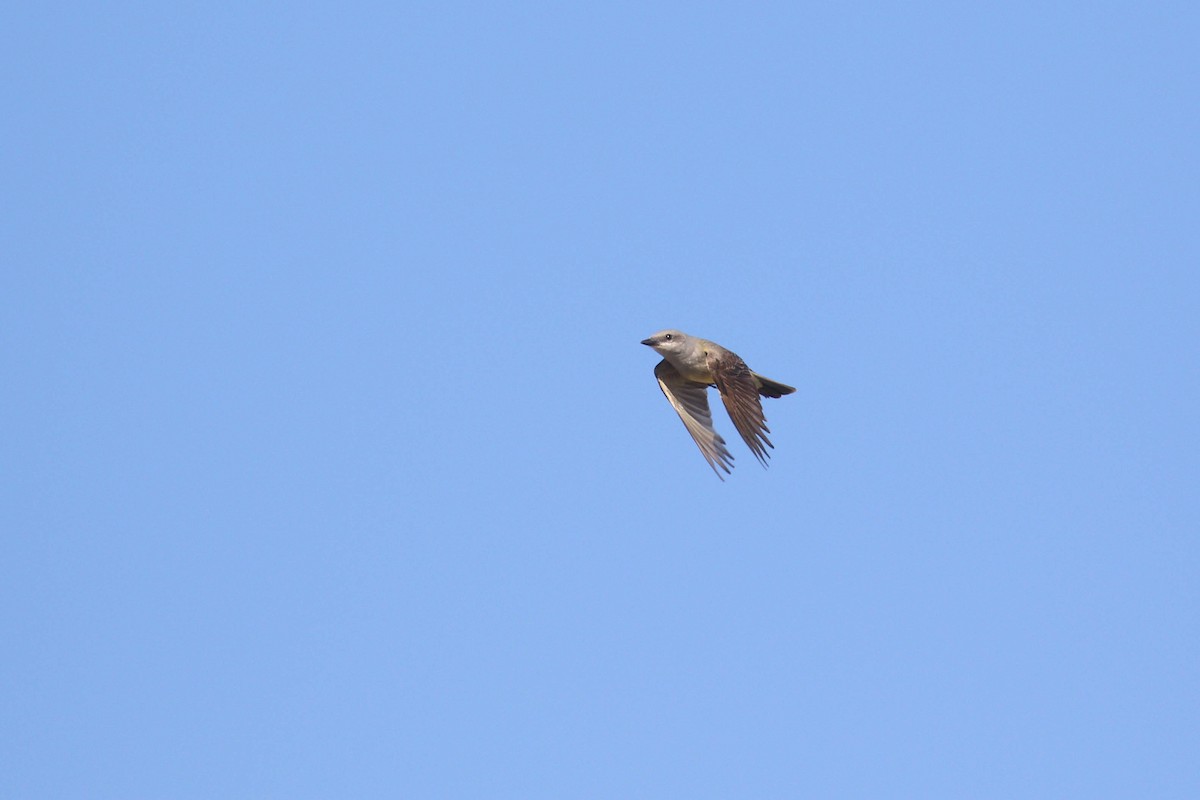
(690, 365)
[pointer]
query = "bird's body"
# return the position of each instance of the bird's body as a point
(689, 366)
(691, 361)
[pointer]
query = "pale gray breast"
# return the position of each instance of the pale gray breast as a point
(692, 363)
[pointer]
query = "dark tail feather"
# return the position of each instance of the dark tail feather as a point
(770, 388)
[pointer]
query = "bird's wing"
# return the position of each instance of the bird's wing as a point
(739, 392)
(690, 400)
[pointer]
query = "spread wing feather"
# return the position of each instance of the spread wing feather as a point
(739, 392)
(690, 401)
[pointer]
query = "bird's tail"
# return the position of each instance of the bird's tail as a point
(770, 388)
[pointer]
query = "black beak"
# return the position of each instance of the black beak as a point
(648, 342)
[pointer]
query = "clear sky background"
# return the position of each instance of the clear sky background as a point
(332, 465)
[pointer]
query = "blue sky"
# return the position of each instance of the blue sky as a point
(333, 466)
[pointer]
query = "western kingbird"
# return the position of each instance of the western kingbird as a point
(689, 366)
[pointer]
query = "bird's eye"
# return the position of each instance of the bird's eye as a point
(668, 337)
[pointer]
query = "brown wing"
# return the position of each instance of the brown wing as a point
(739, 392)
(690, 401)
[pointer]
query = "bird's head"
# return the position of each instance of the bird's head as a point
(668, 341)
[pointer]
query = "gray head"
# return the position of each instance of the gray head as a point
(668, 341)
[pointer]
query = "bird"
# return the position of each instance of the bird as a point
(690, 365)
